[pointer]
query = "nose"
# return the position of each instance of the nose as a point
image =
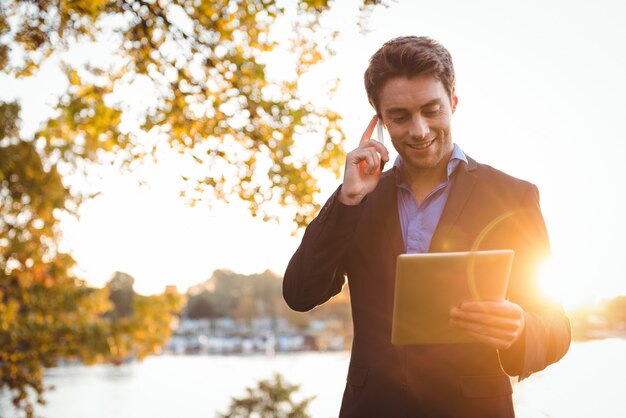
(419, 128)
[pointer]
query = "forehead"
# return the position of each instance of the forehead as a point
(414, 92)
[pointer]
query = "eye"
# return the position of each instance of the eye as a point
(432, 110)
(398, 118)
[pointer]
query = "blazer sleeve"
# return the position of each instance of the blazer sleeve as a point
(316, 271)
(547, 334)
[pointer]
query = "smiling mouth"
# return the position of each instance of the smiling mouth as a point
(421, 145)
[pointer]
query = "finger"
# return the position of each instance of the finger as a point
(497, 343)
(484, 329)
(504, 322)
(380, 148)
(500, 308)
(371, 159)
(367, 135)
(358, 155)
(479, 329)
(364, 155)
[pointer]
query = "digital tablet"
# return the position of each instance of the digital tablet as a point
(429, 285)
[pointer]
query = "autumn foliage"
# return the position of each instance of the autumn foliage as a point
(212, 99)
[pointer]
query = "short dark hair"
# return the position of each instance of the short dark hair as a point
(408, 56)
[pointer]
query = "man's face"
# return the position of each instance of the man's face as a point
(417, 112)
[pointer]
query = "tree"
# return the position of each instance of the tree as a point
(267, 292)
(213, 98)
(137, 325)
(246, 309)
(45, 311)
(270, 399)
(214, 102)
(229, 294)
(201, 306)
(147, 330)
(121, 294)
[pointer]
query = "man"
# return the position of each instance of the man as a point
(434, 199)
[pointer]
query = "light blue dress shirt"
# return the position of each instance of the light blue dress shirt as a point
(418, 222)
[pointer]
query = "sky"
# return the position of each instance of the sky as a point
(541, 92)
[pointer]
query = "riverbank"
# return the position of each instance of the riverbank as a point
(588, 382)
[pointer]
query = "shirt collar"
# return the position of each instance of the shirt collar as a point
(456, 158)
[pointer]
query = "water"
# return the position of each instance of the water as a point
(588, 382)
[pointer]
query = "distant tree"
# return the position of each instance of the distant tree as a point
(200, 306)
(151, 322)
(143, 332)
(270, 399)
(227, 290)
(267, 290)
(299, 320)
(121, 293)
(244, 297)
(230, 294)
(246, 308)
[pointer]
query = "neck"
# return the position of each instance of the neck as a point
(423, 181)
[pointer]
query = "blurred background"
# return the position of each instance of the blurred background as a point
(159, 160)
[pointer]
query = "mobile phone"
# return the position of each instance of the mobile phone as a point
(381, 134)
(381, 138)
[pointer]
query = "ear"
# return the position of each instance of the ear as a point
(455, 101)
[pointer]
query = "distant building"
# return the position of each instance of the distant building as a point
(262, 335)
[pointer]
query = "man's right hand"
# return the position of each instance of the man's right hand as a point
(363, 168)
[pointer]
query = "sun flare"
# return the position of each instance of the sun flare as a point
(559, 283)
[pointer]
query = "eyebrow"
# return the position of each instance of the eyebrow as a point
(432, 102)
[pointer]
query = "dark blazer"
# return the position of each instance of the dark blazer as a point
(486, 209)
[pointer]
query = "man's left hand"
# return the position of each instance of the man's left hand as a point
(496, 323)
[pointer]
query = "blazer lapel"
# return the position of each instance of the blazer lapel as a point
(460, 192)
(389, 212)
